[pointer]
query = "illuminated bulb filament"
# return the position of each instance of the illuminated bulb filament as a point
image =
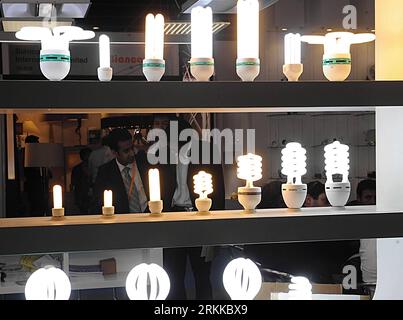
(337, 161)
(203, 184)
(108, 198)
(57, 197)
(249, 168)
(292, 48)
(154, 184)
(154, 48)
(293, 162)
(248, 28)
(202, 32)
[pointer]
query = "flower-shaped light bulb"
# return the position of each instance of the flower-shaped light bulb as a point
(294, 167)
(300, 289)
(48, 283)
(154, 63)
(147, 282)
(203, 186)
(248, 62)
(242, 279)
(104, 71)
(202, 62)
(337, 162)
(54, 54)
(249, 169)
(293, 67)
(337, 56)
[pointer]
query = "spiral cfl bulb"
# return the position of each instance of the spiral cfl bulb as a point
(249, 168)
(300, 289)
(242, 279)
(203, 184)
(337, 161)
(293, 162)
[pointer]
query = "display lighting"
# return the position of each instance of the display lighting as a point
(300, 289)
(249, 169)
(337, 162)
(248, 62)
(104, 71)
(48, 283)
(154, 63)
(108, 209)
(337, 56)
(54, 54)
(294, 167)
(57, 210)
(147, 282)
(203, 186)
(202, 62)
(155, 204)
(242, 279)
(292, 67)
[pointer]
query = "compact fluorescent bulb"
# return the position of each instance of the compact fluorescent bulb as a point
(293, 67)
(203, 186)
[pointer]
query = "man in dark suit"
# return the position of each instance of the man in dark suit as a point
(124, 176)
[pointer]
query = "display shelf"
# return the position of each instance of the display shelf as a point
(187, 229)
(146, 97)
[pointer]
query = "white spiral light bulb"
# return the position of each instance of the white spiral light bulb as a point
(203, 184)
(293, 162)
(242, 279)
(48, 283)
(147, 282)
(300, 289)
(249, 168)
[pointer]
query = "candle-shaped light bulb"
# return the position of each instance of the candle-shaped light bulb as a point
(292, 48)
(104, 51)
(203, 184)
(57, 197)
(248, 28)
(154, 47)
(155, 204)
(249, 168)
(202, 32)
(108, 198)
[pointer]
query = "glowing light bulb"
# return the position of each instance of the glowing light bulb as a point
(249, 168)
(154, 184)
(48, 283)
(248, 28)
(147, 282)
(154, 37)
(300, 289)
(108, 198)
(337, 161)
(104, 51)
(293, 162)
(202, 32)
(242, 279)
(57, 197)
(203, 184)
(292, 48)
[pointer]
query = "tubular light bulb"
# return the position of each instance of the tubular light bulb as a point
(154, 184)
(48, 283)
(337, 161)
(249, 168)
(154, 48)
(104, 51)
(203, 184)
(300, 289)
(292, 48)
(57, 197)
(202, 32)
(248, 28)
(108, 198)
(242, 279)
(147, 282)
(293, 162)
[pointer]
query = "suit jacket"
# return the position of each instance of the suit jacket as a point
(110, 178)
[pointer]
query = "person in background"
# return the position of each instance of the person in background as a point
(124, 175)
(99, 157)
(271, 196)
(81, 182)
(316, 195)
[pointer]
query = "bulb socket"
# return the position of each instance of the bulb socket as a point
(293, 71)
(108, 211)
(248, 68)
(153, 69)
(203, 205)
(249, 198)
(57, 212)
(155, 207)
(338, 193)
(105, 73)
(337, 67)
(55, 63)
(202, 68)
(294, 195)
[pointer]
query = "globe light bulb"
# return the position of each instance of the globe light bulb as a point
(300, 289)
(249, 169)
(337, 162)
(248, 63)
(293, 67)
(154, 63)
(242, 279)
(337, 56)
(202, 62)
(48, 283)
(294, 167)
(147, 282)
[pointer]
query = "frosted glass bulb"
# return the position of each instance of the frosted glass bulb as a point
(203, 184)
(337, 161)
(242, 279)
(104, 51)
(248, 29)
(292, 48)
(202, 32)
(249, 168)
(48, 283)
(300, 289)
(293, 162)
(147, 282)
(154, 184)
(154, 47)
(57, 197)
